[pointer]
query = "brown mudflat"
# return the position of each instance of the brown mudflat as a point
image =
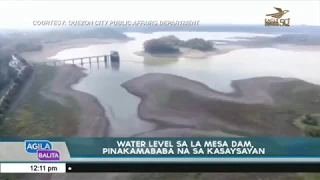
(263, 106)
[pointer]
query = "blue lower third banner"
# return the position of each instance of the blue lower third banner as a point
(276, 154)
(161, 149)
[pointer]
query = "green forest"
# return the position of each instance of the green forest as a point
(171, 44)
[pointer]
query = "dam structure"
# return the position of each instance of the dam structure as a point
(113, 58)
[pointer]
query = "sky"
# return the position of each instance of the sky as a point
(21, 14)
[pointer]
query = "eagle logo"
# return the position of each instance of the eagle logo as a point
(279, 14)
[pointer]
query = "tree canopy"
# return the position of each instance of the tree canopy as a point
(4, 68)
(171, 44)
(199, 44)
(160, 46)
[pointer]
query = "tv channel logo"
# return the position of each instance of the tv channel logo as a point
(43, 149)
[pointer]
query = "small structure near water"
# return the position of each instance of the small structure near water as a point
(114, 57)
(115, 60)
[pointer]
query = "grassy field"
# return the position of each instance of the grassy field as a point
(310, 176)
(309, 129)
(37, 116)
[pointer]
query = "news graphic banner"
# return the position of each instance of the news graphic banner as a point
(274, 154)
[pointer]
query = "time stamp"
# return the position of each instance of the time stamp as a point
(33, 168)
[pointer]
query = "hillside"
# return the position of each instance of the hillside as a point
(305, 39)
(223, 28)
(69, 34)
(298, 39)
(33, 40)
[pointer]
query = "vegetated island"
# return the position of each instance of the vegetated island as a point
(171, 46)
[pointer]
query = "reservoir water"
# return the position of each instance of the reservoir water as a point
(217, 72)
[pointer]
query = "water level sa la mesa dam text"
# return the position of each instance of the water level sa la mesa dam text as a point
(142, 144)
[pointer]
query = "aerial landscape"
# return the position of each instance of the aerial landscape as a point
(211, 80)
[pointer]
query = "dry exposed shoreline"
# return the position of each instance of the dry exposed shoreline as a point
(93, 121)
(177, 101)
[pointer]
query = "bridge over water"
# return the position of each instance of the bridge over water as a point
(112, 58)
